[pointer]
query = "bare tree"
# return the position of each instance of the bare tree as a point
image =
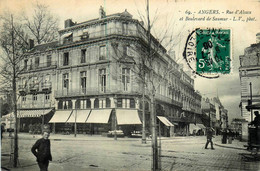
(13, 42)
(42, 25)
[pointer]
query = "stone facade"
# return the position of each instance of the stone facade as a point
(96, 65)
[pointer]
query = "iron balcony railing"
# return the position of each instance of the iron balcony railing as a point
(40, 66)
(168, 100)
(90, 92)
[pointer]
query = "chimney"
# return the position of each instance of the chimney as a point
(31, 43)
(68, 23)
(258, 38)
(102, 13)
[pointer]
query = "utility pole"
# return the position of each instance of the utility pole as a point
(251, 98)
(143, 107)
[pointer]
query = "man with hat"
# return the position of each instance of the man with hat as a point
(42, 149)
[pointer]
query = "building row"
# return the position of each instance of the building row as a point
(249, 73)
(92, 76)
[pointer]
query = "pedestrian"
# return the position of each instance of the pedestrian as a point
(256, 121)
(2, 130)
(209, 134)
(42, 150)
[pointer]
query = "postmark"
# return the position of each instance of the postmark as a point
(208, 52)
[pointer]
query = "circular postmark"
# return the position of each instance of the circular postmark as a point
(207, 52)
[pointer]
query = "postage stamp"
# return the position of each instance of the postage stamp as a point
(208, 52)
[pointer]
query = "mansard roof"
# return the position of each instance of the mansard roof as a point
(44, 47)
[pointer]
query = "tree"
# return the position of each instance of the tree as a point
(13, 42)
(156, 47)
(150, 50)
(42, 25)
(14, 36)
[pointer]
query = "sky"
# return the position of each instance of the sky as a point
(165, 16)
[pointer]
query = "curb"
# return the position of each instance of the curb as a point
(237, 148)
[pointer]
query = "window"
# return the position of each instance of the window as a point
(88, 103)
(102, 80)
(31, 64)
(24, 98)
(83, 56)
(96, 103)
(108, 102)
(47, 97)
(83, 81)
(25, 64)
(104, 29)
(48, 60)
(37, 62)
(66, 81)
(85, 34)
(66, 58)
(102, 52)
(124, 28)
(126, 78)
(132, 103)
(68, 39)
(119, 102)
(35, 97)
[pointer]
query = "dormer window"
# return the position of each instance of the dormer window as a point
(85, 35)
(67, 37)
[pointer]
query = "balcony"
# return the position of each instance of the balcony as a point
(34, 87)
(44, 65)
(89, 92)
(168, 100)
(108, 32)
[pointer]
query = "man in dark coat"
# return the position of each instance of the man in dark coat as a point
(256, 121)
(42, 150)
(209, 134)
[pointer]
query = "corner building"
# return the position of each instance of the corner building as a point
(90, 76)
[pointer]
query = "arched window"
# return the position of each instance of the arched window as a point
(108, 102)
(132, 103)
(69, 104)
(88, 103)
(60, 104)
(96, 103)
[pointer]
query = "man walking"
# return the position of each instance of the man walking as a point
(42, 150)
(209, 134)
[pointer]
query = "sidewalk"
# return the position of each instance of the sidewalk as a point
(236, 144)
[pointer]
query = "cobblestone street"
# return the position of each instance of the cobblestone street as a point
(101, 153)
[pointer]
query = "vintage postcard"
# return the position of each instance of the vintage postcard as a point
(130, 85)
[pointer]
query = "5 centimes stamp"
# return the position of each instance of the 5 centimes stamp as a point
(213, 51)
(208, 52)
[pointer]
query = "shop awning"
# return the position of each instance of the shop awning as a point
(165, 121)
(127, 117)
(61, 116)
(201, 126)
(253, 106)
(194, 127)
(8, 116)
(81, 116)
(32, 113)
(99, 116)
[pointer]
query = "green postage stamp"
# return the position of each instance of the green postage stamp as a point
(208, 52)
(213, 51)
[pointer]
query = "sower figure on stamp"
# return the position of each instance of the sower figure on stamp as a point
(209, 134)
(42, 150)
